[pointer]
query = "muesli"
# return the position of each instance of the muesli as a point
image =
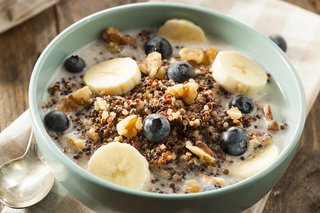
(165, 110)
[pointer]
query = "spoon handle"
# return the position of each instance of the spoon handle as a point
(30, 146)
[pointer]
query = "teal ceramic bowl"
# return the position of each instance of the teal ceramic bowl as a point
(103, 196)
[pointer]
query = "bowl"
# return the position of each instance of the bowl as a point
(102, 196)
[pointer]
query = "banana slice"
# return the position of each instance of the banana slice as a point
(120, 164)
(182, 30)
(113, 77)
(238, 74)
(257, 162)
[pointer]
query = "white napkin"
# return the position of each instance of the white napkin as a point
(301, 30)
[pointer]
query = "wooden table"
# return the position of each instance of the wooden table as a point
(297, 191)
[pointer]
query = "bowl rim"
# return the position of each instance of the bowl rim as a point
(37, 123)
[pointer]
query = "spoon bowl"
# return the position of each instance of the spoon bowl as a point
(25, 180)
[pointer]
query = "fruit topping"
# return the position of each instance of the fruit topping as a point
(156, 127)
(243, 103)
(280, 41)
(182, 30)
(56, 121)
(160, 45)
(120, 164)
(113, 77)
(237, 73)
(234, 141)
(180, 71)
(74, 64)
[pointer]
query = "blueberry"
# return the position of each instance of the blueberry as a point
(279, 40)
(243, 103)
(160, 45)
(180, 71)
(56, 121)
(211, 188)
(74, 64)
(156, 127)
(234, 141)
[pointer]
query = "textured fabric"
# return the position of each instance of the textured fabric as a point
(301, 30)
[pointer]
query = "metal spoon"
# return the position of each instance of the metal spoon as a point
(25, 180)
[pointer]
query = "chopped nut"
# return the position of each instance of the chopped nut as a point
(176, 115)
(199, 56)
(219, 181)
(187, 92)
(266, 110)
(209, 56)
(268, 117)
(130, 126)
(104, 116)
(75, 141)
(151, 66)
(173, 156)
(165, 157)
(93, 135)
(195, 55)
(113, 47)
(118, 138)
(111, 34)
(192, 186)
(272, 125)
(100, 104)
(261, 137)
(125, 112)
(204, 147)
(234, 113)
(112, 116)
(254, 142)
(161, 73)
(115, 39)
(200, 153)
(162, 147)
(165, 174)
(75, 100)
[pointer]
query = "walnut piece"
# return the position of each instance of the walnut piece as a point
(234, 113)
(100, 104)
(130, 126)
(218, 181)
(268, 117)
(75, 100)
(187, 92)
(188, 54)
(204, 147)
(209, 56)
(93, 135)
(151, 66)
(115, 39)
(204, 156)
(198, 56)
(75, 141)
(257, 138)
(192, 186)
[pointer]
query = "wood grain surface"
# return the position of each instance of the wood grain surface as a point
(297, 191)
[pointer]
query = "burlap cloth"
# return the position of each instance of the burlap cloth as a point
(300, 28)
